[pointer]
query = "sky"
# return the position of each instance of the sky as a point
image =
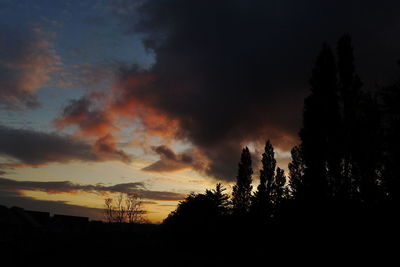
(158, 97)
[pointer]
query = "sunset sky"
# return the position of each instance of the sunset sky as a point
(159, 97)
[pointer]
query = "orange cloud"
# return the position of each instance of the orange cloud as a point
(97, 115)
(106, 148)
(91, 121)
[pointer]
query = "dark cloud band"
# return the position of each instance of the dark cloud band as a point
(25, 147)
(8, 185)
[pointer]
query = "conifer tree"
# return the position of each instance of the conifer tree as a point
(241, 195)
(350, 95)
(361, 132)
(263, 198)
(219, 198)
(296, 173)
(367, 154)
(279, 186)
(321, 121)
(391, 109)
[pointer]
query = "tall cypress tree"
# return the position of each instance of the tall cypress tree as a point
(391, 109)
(319, 135)
(296, 173)
(241, 195)
(279, 186)
(367, 153)
(361, 132)
(350, 96)
(262, 198)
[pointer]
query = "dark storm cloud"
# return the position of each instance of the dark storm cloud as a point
(27, 59)
(24, 148)
(34, 148)
(13, 187)
(170, 161)
(232, 72)
(66, 186)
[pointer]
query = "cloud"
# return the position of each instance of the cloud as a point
(25, 148)
(230, 73)
(234, 72)
(27, 59)
(92, 121)
(8, 185)
(86, 114)
(106, 148)
(170, 161)
(37, 148)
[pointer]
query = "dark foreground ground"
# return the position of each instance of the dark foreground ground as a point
(73, 241)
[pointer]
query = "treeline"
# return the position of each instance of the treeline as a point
(346, 167)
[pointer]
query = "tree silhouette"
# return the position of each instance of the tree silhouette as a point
(279, 186)
(368, 153)
(351, 97)
(343, 174)
(321, 121)
(219, 199)
(296, 173)
(125, 208)
(362, 148)
(271, 190)
(262, 199)
(391, 110)
(241, 194)
(199, 211)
